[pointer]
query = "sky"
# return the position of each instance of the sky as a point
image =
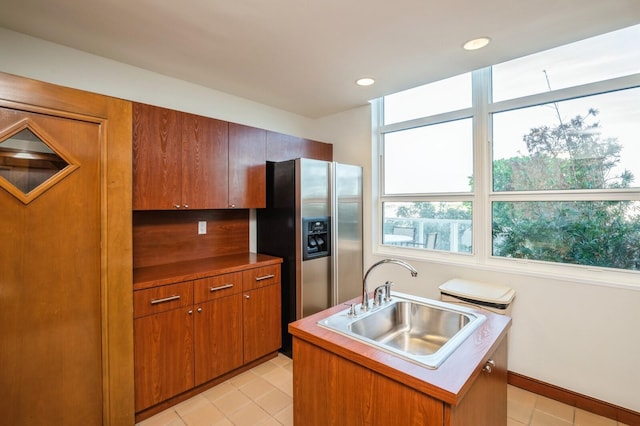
(608, 56)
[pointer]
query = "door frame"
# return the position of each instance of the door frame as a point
(114, 118)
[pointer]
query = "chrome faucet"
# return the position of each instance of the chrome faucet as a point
(365, 292)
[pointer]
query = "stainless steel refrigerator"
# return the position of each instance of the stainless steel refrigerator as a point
(313, 220)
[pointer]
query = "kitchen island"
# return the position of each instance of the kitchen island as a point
(339, 380)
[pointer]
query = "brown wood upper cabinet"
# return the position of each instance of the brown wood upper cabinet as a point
(186, 161)
(247, 167)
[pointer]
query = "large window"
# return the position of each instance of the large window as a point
(557, 184)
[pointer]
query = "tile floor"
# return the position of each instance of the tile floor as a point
(263, 395)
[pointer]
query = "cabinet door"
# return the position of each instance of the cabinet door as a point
(247, 166)
(205, 157)
(218, 337)
(262, 328)
(163, 356)
(157, 162)
(486, 401)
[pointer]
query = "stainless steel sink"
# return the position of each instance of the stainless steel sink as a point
(420, 330)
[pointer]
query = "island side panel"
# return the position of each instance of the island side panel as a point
(487, 397)
(331, 390)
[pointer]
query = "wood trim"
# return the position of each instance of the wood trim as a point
(114, 117)
(574, 399)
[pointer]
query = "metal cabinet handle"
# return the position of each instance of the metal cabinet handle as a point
(246, 296)
(265, 277)
(489, 366)
(199, 310)
(190, 312)
(166, 299)
(186, 206)
(222, 287)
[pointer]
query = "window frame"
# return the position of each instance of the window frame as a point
(483, 195)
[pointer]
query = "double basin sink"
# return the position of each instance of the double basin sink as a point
(419, 330)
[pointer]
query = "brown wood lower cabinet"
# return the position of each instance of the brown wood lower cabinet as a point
(330, 389)
(218, 337)
(189, 333)
(162, 342)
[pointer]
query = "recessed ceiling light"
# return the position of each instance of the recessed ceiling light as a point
(476, 43)
(367, 81)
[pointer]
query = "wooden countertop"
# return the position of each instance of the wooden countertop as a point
(448, 383)
(152, 276)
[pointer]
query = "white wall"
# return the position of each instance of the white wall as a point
(581, 337)
(41, 60)
(577, 336)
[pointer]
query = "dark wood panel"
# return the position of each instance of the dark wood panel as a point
(165, 237)
(162, 298)
(170, 273)
(205, 162)
(247, 168)
(218, 337)
(281, 147)
(215, 287)
(587, 403)
(157, 163)
(487, 397)
(260, 277)
(330, 390)
(262, 328)
(162, 342)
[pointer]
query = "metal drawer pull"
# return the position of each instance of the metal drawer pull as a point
(265, 277)
(166, 299)
(222, 287)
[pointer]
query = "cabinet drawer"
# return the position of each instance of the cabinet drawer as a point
(217, 286)
(260, 277)
(163, 298)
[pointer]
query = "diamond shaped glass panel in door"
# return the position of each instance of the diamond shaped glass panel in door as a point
(26, 162)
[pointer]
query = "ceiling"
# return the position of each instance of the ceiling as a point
(304, 56)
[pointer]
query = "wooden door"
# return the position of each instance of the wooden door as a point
(218, 337)
(157, 162)
(50, 282)
(247, 167)
(205, 158)
(163, 356)
(262, 328)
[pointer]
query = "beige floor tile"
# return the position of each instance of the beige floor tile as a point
(206, 415)
(512, 422)
(540, 418)
(196, 403)
(249, 415)
(264, 368)
(285, 416)
(281, 379)
(218, 391)
(281, 360)
(585, 418)
(519, 411)
(244, 378)
(224, 422)
(274, 401)
(556, 409)
(521, 395)
(231, 402)
(256, 387)
(167, 417)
